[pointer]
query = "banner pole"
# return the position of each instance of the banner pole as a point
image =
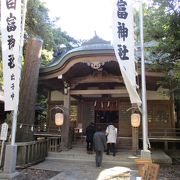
(14, 125)
(145, 152)
(11, 150)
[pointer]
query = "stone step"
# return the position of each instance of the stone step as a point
(123, 157)
(80, 154)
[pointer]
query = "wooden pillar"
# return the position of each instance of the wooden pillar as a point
(28, 90)
(173, 114)
(66, 124)
(135, 139)
(135, 132)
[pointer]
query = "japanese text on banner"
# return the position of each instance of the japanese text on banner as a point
(11, 31)
(123, 42)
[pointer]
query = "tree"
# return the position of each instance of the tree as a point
(162, 24)
(28, 90)
(39, 25)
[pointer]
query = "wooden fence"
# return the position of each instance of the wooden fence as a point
(29, 153)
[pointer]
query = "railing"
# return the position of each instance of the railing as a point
(164, 132)
(53, 136)
(29, 153)
(164, 135)
(46, 130)
(153, 132)
(54, 144)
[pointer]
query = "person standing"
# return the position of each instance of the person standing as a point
(90, 130)
(111, 133)
(100, 146)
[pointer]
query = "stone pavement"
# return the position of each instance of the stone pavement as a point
(76, 164)
(77, 170)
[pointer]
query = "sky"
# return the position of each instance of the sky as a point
(81, 18)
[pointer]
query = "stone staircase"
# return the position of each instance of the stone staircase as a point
(122, 158)
(78, 153)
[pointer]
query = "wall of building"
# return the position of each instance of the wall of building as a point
(159, 111)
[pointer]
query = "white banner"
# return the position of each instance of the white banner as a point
(11, 31)
(123, 42)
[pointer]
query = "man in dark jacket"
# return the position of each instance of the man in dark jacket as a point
(90, 130)
(99, 146)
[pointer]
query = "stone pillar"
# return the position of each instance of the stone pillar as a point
(9, 170)
(10, 159)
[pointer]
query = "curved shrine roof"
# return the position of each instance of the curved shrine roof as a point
(96, 45)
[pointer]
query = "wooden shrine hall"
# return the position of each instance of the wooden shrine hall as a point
(86, 83)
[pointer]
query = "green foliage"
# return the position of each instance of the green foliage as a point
(46, 56)
(41, 113)
(39, 25)
(162, 24)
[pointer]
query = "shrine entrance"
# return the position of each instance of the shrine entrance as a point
(103, 118)
(106, 113)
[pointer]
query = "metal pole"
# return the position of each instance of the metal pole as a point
(145, 152)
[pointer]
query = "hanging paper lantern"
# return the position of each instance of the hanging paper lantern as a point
(135, 120)
(59, 119)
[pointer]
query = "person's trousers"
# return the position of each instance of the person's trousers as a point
(99, 156)
(111, 147)
(89, 145)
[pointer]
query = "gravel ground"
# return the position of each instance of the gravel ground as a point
(171, 173)
(166, 173)
(35, 174)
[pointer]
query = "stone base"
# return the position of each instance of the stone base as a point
(10, 159)
(8, 175)
(146, 154)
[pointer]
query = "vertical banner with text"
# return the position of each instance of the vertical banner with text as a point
(123, 42)
(11, 32)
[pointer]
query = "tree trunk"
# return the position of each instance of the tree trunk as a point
(28, 90)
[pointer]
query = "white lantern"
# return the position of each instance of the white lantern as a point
(135, 120)
(59, 119)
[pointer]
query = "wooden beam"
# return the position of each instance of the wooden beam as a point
(99, 78)
(98, 91)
